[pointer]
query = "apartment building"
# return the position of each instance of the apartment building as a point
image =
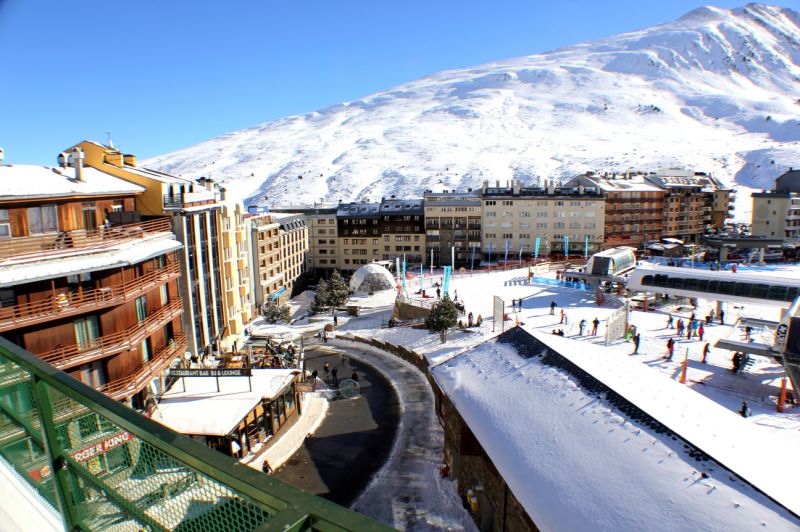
(279, 254)
(634, 208)
(452, 226)
(194, 211)
(514, 216)
(359, 230)
(402, 227)
(322, 233)
(776, 212)
(86, 282)
(235, 274)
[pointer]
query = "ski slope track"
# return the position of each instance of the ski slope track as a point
(716, 91)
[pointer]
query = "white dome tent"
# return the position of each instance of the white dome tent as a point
(371, 278)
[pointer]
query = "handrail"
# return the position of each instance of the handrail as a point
(244, 493)
(66, 243)
(67, 304)
(121, 388)
(72, 355)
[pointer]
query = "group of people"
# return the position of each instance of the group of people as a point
(693, 327)
(330, 375)
(470, 322)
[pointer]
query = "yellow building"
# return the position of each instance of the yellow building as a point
(235, 272)
(280, 254)
(195, 214)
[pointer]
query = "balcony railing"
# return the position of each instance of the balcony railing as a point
(72, 355)
(64, 304)
(55, 245)
(179, 201)
(130, 472)
(122, 388)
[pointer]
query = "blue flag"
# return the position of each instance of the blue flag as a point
(446, 280)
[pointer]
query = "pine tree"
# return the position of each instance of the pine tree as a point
(275, 313)
(338, 293)
(320, 297)
(443, 316)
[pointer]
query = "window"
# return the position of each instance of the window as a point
(5, 226)
(491, 214)
(508, 235)
(86, 331)
(42, 219)
(141, 308)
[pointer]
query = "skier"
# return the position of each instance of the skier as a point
(595, 323)
(552, 308)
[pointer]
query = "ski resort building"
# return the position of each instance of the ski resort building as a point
(359, 230)
(776, 213)
(514, 216)
(322, 240)
(453, 226)
(402, 229)
(235, 272)
(279, 254)
(86, 282)
(193, 209)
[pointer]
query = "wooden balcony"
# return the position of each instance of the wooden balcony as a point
(66, 243)
(76, 354)
(64, 304)
(122, 388)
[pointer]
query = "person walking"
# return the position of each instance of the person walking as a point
(552, 308)
(706, 351)
(721, 317)
(744, 411)
(519, 303)
(563, 315)
(595, 323)
(670, 348)
(335, 320)
(335, 376)
(689, 330)
(581, 327)
(438, 293)
(747, 332)
(636, 339)
(469, 318)
(669, 321)
(701, 330)
(326, 368)
(679, 327)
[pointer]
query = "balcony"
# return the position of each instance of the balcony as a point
(169, 482)
(187, 199)
(64, 304)
(123, 388)
(76, 354)
(55, 245)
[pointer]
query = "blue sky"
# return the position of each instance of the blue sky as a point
(162, 75)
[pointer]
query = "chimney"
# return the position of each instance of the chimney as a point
(551, 187)
(63, 159)
(129, 159)
(222, 193)
(516, 186)
(76, 161)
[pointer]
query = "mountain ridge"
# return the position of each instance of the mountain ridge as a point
(715, 91)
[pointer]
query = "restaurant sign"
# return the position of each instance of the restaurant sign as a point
(225, 372)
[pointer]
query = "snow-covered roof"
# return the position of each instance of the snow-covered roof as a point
(75, 261)
(194, 406)
(575, 461)
(26, 181)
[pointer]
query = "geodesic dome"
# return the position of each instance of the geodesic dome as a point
(371, 278)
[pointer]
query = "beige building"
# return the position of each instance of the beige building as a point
(776, 213)
(235, 271)
(323, 247)
(517, 215)
(360, 240)
(279, 254)
(453, 226)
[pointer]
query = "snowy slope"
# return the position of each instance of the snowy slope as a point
(715, 90)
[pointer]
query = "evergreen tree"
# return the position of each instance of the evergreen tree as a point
(275, 313)
(338, 293)
(443, 316)
(320, 297)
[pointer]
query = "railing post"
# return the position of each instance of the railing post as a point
(54, 453)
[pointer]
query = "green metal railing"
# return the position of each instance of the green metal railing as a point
(103, 466)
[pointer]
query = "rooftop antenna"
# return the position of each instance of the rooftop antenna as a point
(108, 139)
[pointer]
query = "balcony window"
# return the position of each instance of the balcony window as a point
(86, 331)
(42, 219)
(5, 225)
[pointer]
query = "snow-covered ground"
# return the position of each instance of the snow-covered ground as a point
(713, 91)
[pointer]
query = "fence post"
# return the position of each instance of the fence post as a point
(54, 453)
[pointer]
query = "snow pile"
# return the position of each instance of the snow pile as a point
(713, 91)
(577, 463)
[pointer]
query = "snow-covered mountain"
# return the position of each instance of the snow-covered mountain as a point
(716, 90)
